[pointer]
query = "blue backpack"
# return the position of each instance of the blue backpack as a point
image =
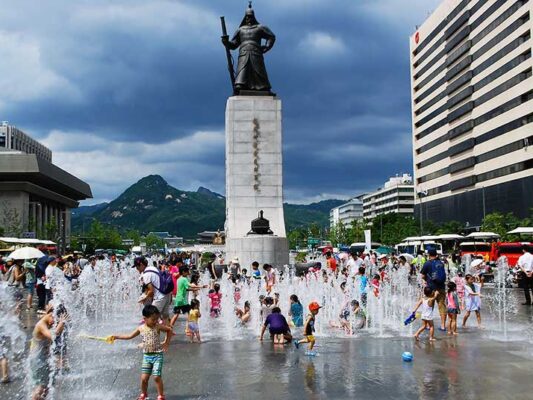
(166, 283)
(438, 272)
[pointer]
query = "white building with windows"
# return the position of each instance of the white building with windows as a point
(13, 139)
(346, 213)
(472, 110)
(396, 196)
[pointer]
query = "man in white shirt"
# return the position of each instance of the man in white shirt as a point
(351, 265)
(152, 295)
(53, 277)
(525, 263)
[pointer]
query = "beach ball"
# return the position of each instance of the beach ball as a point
(407, 357)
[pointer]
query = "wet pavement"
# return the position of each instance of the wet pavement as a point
(464, 367)
(474, 365)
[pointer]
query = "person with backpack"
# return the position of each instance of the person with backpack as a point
(434, 274)
(157, 287)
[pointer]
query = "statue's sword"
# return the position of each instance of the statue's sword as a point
(228, 54)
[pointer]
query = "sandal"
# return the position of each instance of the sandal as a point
(160, 397)
(142, 396)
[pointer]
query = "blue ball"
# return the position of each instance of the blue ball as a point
(407, 357)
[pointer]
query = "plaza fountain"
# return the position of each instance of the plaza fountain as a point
(104, 302)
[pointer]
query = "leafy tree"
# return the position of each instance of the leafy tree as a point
(314, 230)
(103, 237)
(499, 223)
(392, 228)
(154, 242)
(300, 257)
(133, 235)
(51, 231)
(339, 234)
(356, 232)
(10, 220)
(450, 227)
(297, 238)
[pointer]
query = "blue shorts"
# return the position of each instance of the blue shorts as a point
(152, 364)
(30, 286)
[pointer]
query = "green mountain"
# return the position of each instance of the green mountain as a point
(301, 216)
(152, 204)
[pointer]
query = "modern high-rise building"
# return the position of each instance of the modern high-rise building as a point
(346, 213)
(472, 108)
(396, 196)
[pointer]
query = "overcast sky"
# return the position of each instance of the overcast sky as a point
(120, 89)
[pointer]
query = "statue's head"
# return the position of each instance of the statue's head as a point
(249, 16)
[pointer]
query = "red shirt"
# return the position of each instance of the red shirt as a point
(332, 263)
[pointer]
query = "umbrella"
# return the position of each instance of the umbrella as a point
(408, 257)
(26, 253)
(523, 231)
(384, 250)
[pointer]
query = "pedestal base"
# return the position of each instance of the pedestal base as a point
(264, 249)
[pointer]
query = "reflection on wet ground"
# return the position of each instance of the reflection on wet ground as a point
(464, 367)
(476, 364)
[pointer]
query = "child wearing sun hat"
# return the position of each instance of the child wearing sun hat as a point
(309, 329)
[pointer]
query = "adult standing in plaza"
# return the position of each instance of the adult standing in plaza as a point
(150, 277)
(525, 263)
(352, 263)
(53, 276)
(31, 280)
(434, 273)
(331, 262)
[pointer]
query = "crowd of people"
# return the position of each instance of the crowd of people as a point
(172, 288)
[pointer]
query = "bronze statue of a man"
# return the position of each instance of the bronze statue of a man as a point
(251, 74)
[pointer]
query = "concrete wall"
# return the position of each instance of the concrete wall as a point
(14, 216)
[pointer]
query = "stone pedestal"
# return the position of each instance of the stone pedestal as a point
(254, 179)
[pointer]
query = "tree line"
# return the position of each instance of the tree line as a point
(390, 229)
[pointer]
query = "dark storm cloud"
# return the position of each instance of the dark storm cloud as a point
(153, 72)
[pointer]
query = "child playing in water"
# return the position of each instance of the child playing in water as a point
(453, 308)
(4, 364)
(192, 321)
(276, 299)
(216, 299)
(244, 314)
(236, 281)
(153, 349)
(427, 302)
(358, 317)
(460, 284)
(266, 308)
(296, 311)
(270, 277)
(40, 352)
(472, 299)
(309, 329)
(278, 327)
(181, 304)
(256, 274)
(363, 283)
(375, 285)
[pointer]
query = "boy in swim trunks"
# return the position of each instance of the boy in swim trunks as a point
(153, 349)
(309, 329)
(42, 338)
